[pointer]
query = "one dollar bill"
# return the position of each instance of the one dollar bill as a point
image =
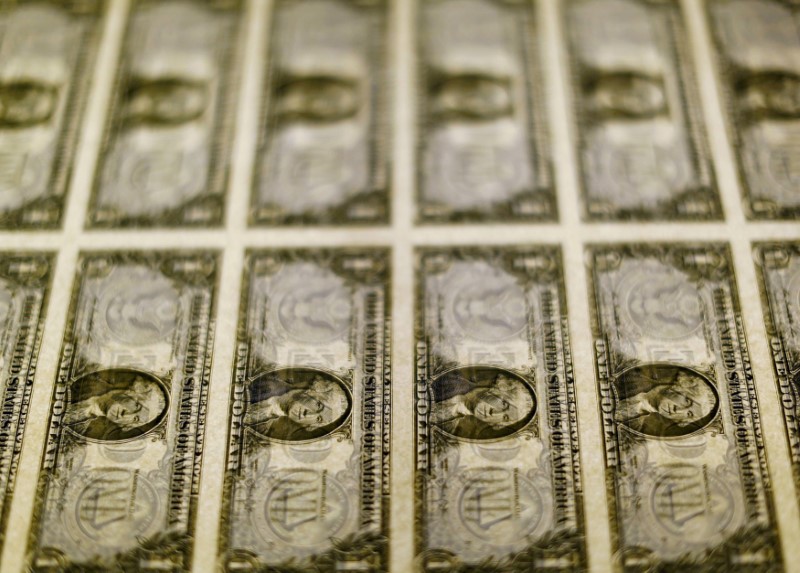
(758, 55)
(307, 481)
(47, 52)
(322, 156)
(166, 151)
(122, 458)
(497, 453)
(642, 154)
(482, 151)
(24, 285)
(685, 461)
(779, 278)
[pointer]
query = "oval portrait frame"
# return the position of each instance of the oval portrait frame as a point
(517, 426)
(700, 429)
(151, 426)
(330, 377)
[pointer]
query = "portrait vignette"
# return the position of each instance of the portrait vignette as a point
(290, 401)
(673, 430)
(140, 387)
(471, 424)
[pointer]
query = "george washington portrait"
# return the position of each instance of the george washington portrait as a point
(481, 403)
(663, 400)
(114, 405)
(296, 404)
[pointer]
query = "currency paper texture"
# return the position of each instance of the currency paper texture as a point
(641, 150)
(46, 56)
(308, 455)
(758, 49)
(123, 455)
(779, 265)
(322, 151)
(483, 153)
(399, 286)
(686, 465)
(496, 441)
(24, 285)
(164, 159)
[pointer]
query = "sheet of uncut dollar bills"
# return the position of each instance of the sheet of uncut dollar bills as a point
(446, 286)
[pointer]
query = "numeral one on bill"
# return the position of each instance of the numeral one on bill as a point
(46, 59)
(497, 454)
(121, 466)
(758, 54)
(322, 155)
(24, 285)
(165, 155)
(779, 274)
(307, 481)
(482, 150)
(641, 152)
(685, 463)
